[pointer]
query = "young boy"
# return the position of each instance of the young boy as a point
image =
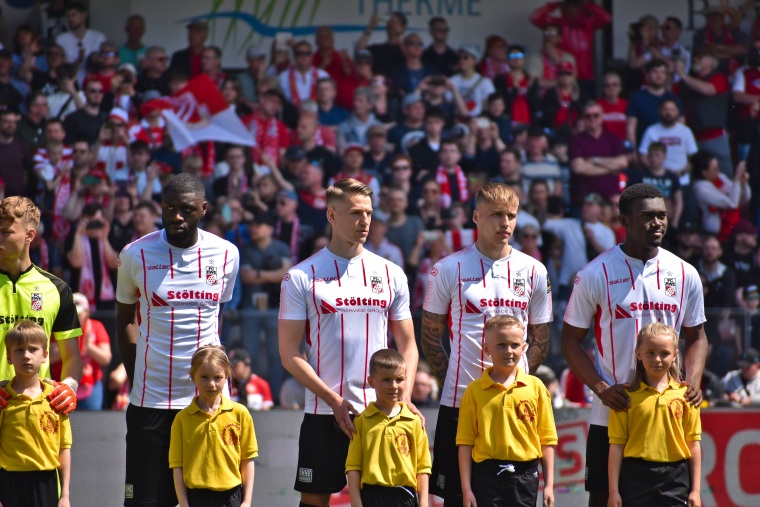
(505, 426)
(389, 457)
(35, 441)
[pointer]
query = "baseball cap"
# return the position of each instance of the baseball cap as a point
(748, 358)
(128, 67)
(288, 194)
(593, 198)
(239, 355)
(354, 146)
(255, 51)
(745, 227)
(295, 153)
(364, 55)
(118, 115)
(411, 98)
(81, 302)
(198, 23)
(470, 50)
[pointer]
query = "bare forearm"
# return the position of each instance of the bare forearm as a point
(579, 361)
(547, 465)
(248, 469)
(695, 354)
(180, 488)
(613, 466)
(433, 328)
(355, 487)
(126, 337)
(538, 345)
(64, 471)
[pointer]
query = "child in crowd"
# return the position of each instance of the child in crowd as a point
(248, 388)
(505, 426)
(389, 457)
(35, 441)
(213, 442)
(655, 456)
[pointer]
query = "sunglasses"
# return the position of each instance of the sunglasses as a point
(592, 116)
(80, 151)
(401, 167)
(303, 53)
(530, 236)
(108, 53)
(281, 203)
(515, 56)
(753, 298)
(611, 85)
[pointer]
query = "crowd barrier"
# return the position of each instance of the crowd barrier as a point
(730, 458)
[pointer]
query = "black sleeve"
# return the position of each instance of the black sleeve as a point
(67, 318)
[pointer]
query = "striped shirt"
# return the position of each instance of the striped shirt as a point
(619, 295)
(346, 304)
(179, 294)
(470, 288)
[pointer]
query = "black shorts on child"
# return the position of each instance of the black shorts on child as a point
(444, 478)
(499, 483)
(322, 452)
(597, 456)
(208, 498)
(385, 496)
(644, 483)
(29, 489)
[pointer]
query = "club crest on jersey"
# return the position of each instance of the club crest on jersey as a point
(36, 300)
(518, 286)
(377, 284)
(211, 273)
(670, 286)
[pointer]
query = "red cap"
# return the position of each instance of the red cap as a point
(565, 67)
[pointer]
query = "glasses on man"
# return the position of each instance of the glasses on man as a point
(592, 116)
(442, 29)
(516, 56)
(401, 167)
(303, 53)
(612, 84)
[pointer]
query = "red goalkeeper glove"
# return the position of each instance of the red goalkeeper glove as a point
(63, 399)
(4, 396)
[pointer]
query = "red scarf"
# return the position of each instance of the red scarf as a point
(728, 217)
(550, 65)
(293, 242)
(520, 107)
(295, 97)
(490, 70)
(727, 40)
(44, 255)
(442, 177)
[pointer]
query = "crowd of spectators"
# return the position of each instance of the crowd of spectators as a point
(423, 123)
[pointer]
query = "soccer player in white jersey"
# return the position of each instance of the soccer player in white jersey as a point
(344, 298)
(465, 289)
(177, 279)
(620, 292)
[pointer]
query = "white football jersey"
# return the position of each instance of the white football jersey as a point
(470, 288)
(178, 293)
(619, 295)
(346, 304)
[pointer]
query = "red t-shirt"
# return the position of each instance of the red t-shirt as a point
(520, 107)
(614, 116)
(341, 69)
(258, 394)
(271, 136)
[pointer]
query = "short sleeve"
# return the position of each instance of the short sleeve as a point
(249, 446)
(739, 82)
(175, 444)
(437, 294)
(293, 293)
(582, 304)
(694, 300)
(618, 427)
(424, 463)
(547, 430)
(354, 457)
(399, 309)
(66, 324)
(126, 286)
(467, 428)
(65, 431)
(230, 273)
(540, 306)
(693, 425)
(646, 140)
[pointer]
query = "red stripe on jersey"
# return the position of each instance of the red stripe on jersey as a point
(532, 278)
(224, 273)
(680, 304)
(364, 274)
(342, 354)
(366, 356)
(198, 339)
(319, 325)
(633, 282)
(483, 343)
(199, 262)
(509, 275)
(450, 321)
(658, 277)
(171, 263)
(390, 292)
(598, 330)
(483, 272)
(171, 357)
(459, 347)
(609, 308)
(337, 273)
(147, 332)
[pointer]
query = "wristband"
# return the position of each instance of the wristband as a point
(73, 384)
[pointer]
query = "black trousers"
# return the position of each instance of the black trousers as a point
(499, 483)
(384, 496)
(208, 498)
(29, 489)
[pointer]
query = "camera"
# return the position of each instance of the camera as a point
(634, 31)
(94, 225)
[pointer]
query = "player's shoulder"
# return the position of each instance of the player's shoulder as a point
(526, 260)
(150, 240)
(208, 240)
(371, 258)
(453, 261)
(674, 262)
(307, 267)
(595, 268)
(40, 274)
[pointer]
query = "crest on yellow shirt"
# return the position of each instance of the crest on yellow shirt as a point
(677, 407)
(402, 444)
(231, 434)
(526, 412)
(49, 422)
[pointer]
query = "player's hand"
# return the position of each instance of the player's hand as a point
(63, 399)
(549, 497)
(694, 499)
(4, 397)
(64, 501)
(616, 397)
(342, 411)
(615, 500)
(411, 406)
(468, 499)
(693, 394)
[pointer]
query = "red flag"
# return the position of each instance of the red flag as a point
(200, 113)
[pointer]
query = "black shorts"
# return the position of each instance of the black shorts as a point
(444, 478)
(597, 457)
(499, 483)
(322, 452)
(29, 489)
(385, 496)
(208, 498)
(149, 481)
(645, 483)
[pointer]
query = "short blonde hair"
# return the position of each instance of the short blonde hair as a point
(346, 188)
(497, 193)
(21, 209)
(386, 359)
(25, 332)
(501, 322)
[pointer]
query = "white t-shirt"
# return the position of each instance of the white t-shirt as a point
(680, 142)
(90, 42)
(619, 295)
(474, 91)
(470, 288)
(179, 294)
(603, 234)
(115, 160)
(304, 82)
(347, 304)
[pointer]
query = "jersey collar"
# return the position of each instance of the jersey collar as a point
(486, 381)
(201, 232)
(225, 406)
(46, 389)
(372, 410)
(6, 274)
(671, 385)
(627, 257)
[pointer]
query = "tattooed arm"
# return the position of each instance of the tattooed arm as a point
(538, 345)
(433, 328)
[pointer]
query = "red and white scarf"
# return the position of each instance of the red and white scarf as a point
(293, 241)
(442, 177)
(209, 158)
(61, 226)
(295, 96)
(87, 274)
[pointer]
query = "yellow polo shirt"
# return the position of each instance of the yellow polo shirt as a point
(657, 426)
(506, 423)
(31, 433)
(210, 448)
(389, 452)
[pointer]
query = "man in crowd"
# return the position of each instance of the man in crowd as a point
(188, 61)
(85, 123)
(79, 42)
(439, 55)
(299, 82)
